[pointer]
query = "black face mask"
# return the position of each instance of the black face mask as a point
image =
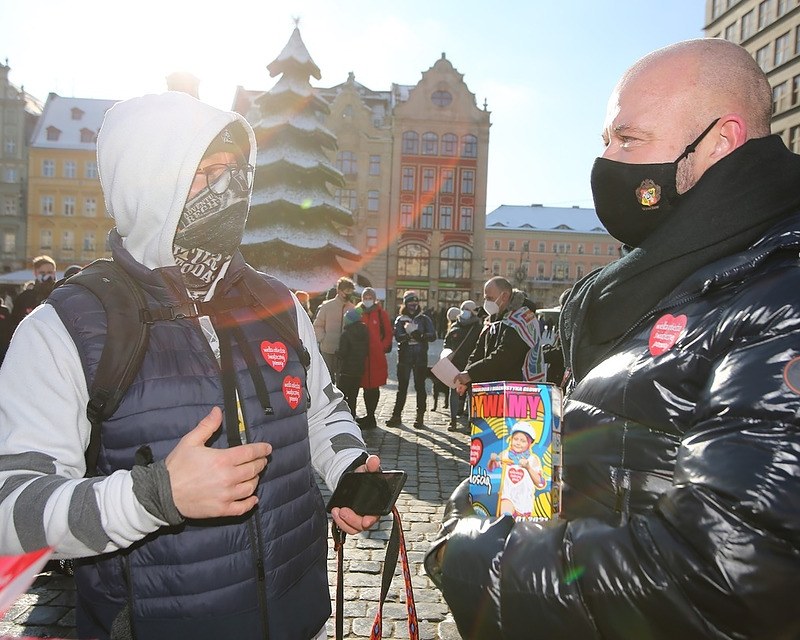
(631, 200)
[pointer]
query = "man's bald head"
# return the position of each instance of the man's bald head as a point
(710, 77)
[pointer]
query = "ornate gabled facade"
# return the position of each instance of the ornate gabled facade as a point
(19, 112)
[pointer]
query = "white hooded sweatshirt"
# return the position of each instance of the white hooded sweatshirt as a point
(148, 152)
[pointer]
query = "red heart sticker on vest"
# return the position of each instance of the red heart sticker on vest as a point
(292, 390)
(665, 333)
(475, 451)
(275, 354)
(515, 474)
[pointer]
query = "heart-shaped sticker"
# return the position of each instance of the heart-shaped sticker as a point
(292, 390)
(515, 474)
(665, 333)
(275, 354)
(475, 451)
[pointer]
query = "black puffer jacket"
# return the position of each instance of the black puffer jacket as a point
(682, 479)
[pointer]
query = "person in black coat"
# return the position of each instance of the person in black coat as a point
(461, 339)
(352, 355)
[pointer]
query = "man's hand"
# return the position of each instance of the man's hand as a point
(212, 483)
(348, 520)
(462, 380)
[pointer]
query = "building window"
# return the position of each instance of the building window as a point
(48, 168)
(445, 217)
(9, 242)
(748, 25)
(716, 9)
(53, 134)
(10, 208)
(797, 40)
(374, 165)
(467, 181)
(560, 270)
(730, 32)
(526, 245)
(430, 144)
(783, 7)
(596, 250)
(406, 216)
(611, 249)
(497, 245)
(90, 207)
(372, 239)
(46, 239)
(449, 144)
(408, 179)
(47, 205)
(373, 200)
(496, 268)
(441, 98)
(510, 268)
(783, 47)
(580, 249)
(579, 271)
(465, 221)
(10, 146)
(448, 178)
(88, 241)
(426, 219)
(69, 169)
(455, 263)
(795, 90)
(541, 247)
(91, 170)
(762, 57)
(512, 246)
(346, 163)
(346, 198)
(77, 113)
(410, 143)
(413, 260)
(10, 175)
(469, 148)
(69, 205)
(68, 241)
(794, 139)
(428, 179)
(779, 92)
(87, 135)
(764, 13)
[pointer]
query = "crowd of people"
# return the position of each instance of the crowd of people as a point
(680, 364)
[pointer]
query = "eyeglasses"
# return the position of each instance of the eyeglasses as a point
(219, 176)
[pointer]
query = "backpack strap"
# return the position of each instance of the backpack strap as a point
(123, 303)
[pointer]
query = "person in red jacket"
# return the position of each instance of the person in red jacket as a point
(376, 370)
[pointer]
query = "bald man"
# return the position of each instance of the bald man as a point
(681, 428)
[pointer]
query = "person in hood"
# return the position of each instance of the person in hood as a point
(204, 519)
(681, 424)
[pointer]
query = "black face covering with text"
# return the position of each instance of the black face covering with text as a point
(631, 200)
(209, 231)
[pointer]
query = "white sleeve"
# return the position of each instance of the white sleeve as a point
(334, 436)
(44, 498)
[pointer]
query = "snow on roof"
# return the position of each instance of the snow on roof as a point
(314, 280)
(305, 196)
(72, 123)
(577, 219)
(305, 159)
(314, 238)
(295, 50)
(299, 121)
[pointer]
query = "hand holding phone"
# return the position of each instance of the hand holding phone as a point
(368, 494)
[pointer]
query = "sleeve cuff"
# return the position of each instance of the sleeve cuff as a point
(153, 490)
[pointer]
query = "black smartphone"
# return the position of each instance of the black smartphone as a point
(368, 494)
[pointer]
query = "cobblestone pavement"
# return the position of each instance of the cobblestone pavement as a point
(435, 460)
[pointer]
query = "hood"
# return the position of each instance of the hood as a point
(148, 150)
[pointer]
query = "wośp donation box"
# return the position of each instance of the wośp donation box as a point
(515, 451)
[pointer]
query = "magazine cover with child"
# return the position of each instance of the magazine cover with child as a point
(515, 451)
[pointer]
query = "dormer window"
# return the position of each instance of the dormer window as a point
(77, 114)
(87, 135)
(53, 133)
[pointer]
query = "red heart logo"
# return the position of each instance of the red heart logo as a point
(515, 474)
(292, 390)
(665, 333)
(275, 354)
(475, 451)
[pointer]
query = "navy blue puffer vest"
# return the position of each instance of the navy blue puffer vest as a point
(259, 576)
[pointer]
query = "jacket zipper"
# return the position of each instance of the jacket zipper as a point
(254, 528)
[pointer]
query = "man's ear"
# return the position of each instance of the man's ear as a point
(731, 134)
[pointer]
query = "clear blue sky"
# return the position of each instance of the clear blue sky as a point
(545, 67)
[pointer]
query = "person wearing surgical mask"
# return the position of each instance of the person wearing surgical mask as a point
(510, 346)
(44, 279)
(461, 339)
(376, 368)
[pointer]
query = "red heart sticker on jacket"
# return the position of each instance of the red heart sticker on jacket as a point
(275, 354)
(515, 474)
(475, 451)
(665, 333)
(292, 390)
